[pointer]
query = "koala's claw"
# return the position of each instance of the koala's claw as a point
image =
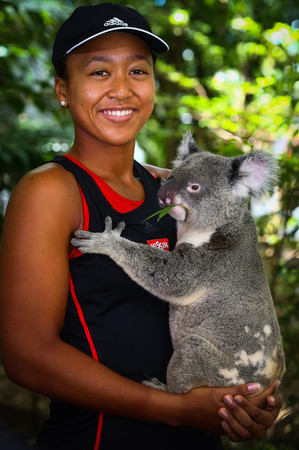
(117, 230)
(82, 240)
(89, 242)
(108, 224)
(81, 234)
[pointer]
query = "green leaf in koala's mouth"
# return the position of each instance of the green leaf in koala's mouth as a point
(161, 213)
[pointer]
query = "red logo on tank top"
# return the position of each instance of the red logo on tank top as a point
(159, 243)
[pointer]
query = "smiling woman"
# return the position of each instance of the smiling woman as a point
(110, 86)
(74, 327)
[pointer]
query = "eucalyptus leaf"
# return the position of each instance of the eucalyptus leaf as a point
(161, 213)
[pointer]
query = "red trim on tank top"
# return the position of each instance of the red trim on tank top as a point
(118, 202)
(75, 252)
(92, 349)
(82, 320)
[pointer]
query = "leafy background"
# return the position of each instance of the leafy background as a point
(231, 76)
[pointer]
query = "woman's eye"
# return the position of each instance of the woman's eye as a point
(138, 72)
(99, 73)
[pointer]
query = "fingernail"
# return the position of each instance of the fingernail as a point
(225, 425)
(277, 384)
(222, 413)
(228, 400)
(253, 387)
(238, 400)
(271, 398)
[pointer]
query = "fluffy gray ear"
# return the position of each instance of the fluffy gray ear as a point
(186, 148)
(253, 174)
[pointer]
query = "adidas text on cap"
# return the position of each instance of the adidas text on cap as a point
(88, 22)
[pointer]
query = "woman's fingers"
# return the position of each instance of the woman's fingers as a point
(247, 389)
(246, 416)
(274, 402)
(230, 433)
(232, 426)
(233, 435)
(268, 400)
(244, 420)
(264, 417)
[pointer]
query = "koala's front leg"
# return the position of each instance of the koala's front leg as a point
(99, 243)
(153, 269)
(131, 256)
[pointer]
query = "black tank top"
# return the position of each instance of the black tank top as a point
(118, 323)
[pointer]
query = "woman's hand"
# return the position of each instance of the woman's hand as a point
(246, 418)
(231, 410)
(200, 406)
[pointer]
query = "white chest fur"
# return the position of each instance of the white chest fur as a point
(192, 236)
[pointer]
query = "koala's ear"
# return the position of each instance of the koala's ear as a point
(186, 148)
(253, 174)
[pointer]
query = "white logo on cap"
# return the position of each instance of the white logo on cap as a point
(115, 21)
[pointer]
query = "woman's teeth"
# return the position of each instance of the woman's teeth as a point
(125, 112)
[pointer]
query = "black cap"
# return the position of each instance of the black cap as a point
(88, 22)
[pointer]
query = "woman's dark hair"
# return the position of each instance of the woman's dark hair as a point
(61, 68)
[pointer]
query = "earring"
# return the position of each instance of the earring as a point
(63, 103)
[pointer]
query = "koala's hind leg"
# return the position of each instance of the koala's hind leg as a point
(198, 362)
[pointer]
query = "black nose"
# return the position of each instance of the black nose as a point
(167, 193)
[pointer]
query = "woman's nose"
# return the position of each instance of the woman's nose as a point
(120, 88)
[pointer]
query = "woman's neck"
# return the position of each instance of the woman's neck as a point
(105, 160)
(114, 165)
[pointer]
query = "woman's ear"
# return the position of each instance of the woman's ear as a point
(61, 91)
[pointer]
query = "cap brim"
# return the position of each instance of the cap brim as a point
(156, 44)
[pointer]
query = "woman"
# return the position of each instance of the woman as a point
(74, 327)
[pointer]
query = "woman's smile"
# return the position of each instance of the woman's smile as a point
(118, 114)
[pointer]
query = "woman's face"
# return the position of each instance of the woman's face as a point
(109, 88)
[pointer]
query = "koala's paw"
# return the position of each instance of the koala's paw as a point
(88, 242)
(155, 383)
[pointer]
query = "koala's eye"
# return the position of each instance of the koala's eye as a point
(193, 188)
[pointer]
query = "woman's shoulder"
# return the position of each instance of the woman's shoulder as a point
(48, 189)
(50, 179)
(49, 172)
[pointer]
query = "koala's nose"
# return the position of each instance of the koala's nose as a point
(167, 193)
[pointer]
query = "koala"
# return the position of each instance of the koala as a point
(223, 324)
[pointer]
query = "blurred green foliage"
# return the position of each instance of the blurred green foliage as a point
(231, 76)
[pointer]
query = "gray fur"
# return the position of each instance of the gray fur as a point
(222, 319)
